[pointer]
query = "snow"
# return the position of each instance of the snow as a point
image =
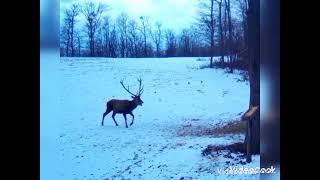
(177, 93)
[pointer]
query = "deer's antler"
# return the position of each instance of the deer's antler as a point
(140, 91)
(127, 89)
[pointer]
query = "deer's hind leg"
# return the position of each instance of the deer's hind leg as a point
(132, 118)
(104, 115)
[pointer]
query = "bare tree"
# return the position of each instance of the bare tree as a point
(122, 23)
(99, 42)
(69, 29)
(145, 30)
(73, 12)
(157, 37)
(106, 36)
(171, 43)
(133, 38)
(196, 41)
(221, 38)
(243, 5)
(92, 13)
(113, 42)
(230, 48)
(185, 43)
(65, 38)
(78, 43)
(208, 22)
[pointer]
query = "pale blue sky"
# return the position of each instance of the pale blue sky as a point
(174, 14)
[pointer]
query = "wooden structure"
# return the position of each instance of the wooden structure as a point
(249, 116)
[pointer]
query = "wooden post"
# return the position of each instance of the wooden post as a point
(248, 116)
(248, 159)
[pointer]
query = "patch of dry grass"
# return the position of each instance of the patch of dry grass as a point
(236, 127)
(232, 152)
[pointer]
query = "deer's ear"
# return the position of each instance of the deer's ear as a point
(132, 96)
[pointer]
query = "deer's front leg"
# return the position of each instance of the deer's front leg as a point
(113, 115)
(125, 118)
(132, 118)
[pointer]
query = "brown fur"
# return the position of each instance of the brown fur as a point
(122, 107)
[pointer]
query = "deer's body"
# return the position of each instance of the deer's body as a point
(123, 106)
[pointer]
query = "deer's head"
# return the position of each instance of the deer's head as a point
(137, 100)
(136, 97)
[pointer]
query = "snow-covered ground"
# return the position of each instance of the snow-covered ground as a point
(177, 93)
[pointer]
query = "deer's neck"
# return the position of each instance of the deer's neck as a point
(133, 105)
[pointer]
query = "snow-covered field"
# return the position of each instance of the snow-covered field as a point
(177, 93)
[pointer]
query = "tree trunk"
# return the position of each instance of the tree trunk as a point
(145, 45)
(230, 39)
(68, 43)
(79, 47)
(67, 49)
(93, 45)
(226, 30)
(72, 38)
(254, 74)
(245, 22)
(212, 34)
(221, 34)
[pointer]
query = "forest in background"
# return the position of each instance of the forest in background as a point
(220, 29)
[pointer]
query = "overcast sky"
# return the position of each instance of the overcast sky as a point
(174, 14)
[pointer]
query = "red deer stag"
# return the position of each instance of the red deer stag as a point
(124, 106)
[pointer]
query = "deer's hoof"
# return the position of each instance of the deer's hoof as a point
(117, 124)
(131, 124)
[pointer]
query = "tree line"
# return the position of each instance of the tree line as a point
(220, 30)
